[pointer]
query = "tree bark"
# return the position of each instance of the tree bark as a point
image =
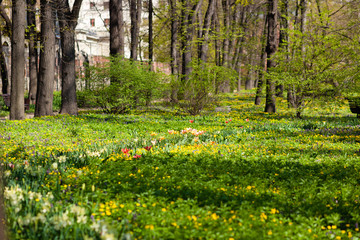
(135, 17)
(45, 87)
(204, 44)
(263, 57)
(18, 60)
(68, 21)
(271, 48)
(188, 18)
(116, 28)
(3, 69)
(226, 43)
(151, 42)
(33, 56)
(174, 38)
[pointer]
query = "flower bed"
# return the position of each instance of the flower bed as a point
(156, 175)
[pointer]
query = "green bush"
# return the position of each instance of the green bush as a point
(86, 99)
(199, 89)
(122, 85)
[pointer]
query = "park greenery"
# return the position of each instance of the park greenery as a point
(160, 173)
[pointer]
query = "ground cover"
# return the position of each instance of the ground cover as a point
(165, 175)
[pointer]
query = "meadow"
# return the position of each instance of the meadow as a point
(158, 173)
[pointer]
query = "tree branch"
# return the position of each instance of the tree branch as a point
(76, 10)
(5, 17)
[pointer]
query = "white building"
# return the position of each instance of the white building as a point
(92, 31)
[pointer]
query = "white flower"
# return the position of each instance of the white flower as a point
(50, 196)
(108, 236)
(31, 195)
(79, 211)
(81, 219)
(40, 217)
(95, 226)
(7, 173)
(62, 159)
(54, 165)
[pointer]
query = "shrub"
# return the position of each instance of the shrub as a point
(122, 85)
(199, 89)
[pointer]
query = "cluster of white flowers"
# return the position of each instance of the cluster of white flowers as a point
(15, 195)
(101, 228)
(28, 219)
(54, 166)
(62, 159)
(93, 154)
(70, 216)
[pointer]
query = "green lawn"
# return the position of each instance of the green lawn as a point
(165, 175)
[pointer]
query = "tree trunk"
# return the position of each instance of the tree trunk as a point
(116, 28)
(33, 56)
(68, 21)
(263, 57)
(45, 87)
(204, 44)
(271, 48)
(187, 33)
(18, 60)
(174, 36)
(68, 84)
(135, 17)
(217, 41)
(3, 69)
(226, 44)
(151, 43)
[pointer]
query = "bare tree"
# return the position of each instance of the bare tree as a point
(151, 42)
(204, 43)
(135, 17)
(33, 56)
(68, 18)
(188, 20)
(18, 60)
(116, 28)
(45, 87)
(3, 67)
(271, 48)
(174, 38)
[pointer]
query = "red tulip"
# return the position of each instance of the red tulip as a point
(147, 148)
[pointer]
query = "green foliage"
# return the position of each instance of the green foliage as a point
(86, 99)
(57, 101)
(199, 89)
(123, 85)
(320, 64)
(154, 175)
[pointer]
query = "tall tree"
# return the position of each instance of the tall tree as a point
(45, 87)
(3, 67)
(284, 37)
(33, 56)
(151, 42)
(262, 65)
(188, 20)
(204, 43)
(18, 59)
(135, 17)
(116, 28)
(174, 38)
(271, 48)
(68, 18)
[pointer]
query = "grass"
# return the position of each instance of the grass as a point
(165, 175)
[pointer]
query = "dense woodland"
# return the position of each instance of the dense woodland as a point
(298, 50)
